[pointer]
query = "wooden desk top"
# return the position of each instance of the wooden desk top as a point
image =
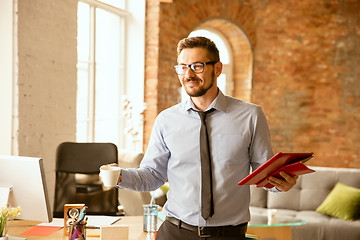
(135, 224)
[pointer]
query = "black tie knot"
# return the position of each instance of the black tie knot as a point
(203, 114)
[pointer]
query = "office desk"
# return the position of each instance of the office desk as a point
(135, 224)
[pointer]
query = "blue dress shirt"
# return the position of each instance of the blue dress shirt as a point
(239, 139)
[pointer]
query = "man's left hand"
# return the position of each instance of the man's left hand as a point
(285, 184)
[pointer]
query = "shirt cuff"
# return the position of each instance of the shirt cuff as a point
(124, 179)
(273, 189)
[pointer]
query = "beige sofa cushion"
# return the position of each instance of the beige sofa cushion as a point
(286, 200)
(258, 197)
(311, 189)
(129, 159)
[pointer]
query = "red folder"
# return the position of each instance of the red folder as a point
(291, 163)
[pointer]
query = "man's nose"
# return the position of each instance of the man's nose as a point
(189, 73)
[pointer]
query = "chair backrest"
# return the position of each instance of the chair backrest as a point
(84, 158)
(77, 177)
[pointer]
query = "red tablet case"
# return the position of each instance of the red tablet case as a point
(291, 163)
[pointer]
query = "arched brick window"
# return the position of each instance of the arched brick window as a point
(225, 81)
(239, 69)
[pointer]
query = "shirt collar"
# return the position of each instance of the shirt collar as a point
(219, 103)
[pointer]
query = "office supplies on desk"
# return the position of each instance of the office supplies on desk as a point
(41, 231)
(77, 224)
(56, 222)
(98, 221)
(69, 210)
(94, 221)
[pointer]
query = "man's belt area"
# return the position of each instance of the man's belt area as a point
(222, 231)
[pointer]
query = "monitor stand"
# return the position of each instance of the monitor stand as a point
(4, 200)
(16, 238)
(4, 195)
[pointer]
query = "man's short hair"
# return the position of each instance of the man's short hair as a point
(200, 42)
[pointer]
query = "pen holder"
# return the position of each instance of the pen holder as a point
(67, 208)
(76, 226)
(77, 230)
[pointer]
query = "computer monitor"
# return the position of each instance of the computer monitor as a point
(26, 176)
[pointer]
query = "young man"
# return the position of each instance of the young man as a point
(236, 138)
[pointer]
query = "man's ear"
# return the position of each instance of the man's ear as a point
(218, 68)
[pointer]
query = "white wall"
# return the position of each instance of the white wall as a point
(6, 75)
(46, 78)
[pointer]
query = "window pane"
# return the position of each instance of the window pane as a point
(220, 44)
(107, 38)
(221, 82)
(107, 86)
(225, 81)
(82, 106)
(107, 105)
(101, 72)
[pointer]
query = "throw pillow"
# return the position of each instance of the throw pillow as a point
(165, 188)
(342, 202)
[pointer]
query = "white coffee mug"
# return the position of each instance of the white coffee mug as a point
(109, 175)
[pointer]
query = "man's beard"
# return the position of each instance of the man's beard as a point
(202, 89)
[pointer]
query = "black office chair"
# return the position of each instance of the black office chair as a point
(77, 178)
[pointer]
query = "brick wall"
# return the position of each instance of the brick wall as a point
(307, 78)
(306, 67)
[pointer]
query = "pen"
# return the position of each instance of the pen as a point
(92, 227)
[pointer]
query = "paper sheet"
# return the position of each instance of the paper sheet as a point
(41, 231)
(97, 221)
(56, 222)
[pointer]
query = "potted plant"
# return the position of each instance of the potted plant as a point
(7, 215)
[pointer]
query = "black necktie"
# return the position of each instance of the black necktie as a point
(207, 204)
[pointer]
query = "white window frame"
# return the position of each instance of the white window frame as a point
(132, 87)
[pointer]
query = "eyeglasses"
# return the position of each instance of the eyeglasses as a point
(195, 67)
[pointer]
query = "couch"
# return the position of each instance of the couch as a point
(302, 201)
